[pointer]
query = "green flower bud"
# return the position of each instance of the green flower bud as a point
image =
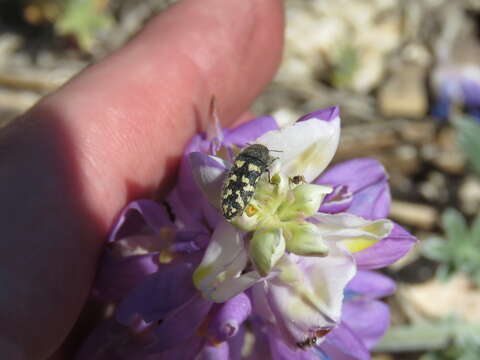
(307, 198)
(266, 248)
(304, 239)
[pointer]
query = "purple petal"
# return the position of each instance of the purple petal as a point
(109, 341)
(367, 180)
(471, 91)
(189, 218)
(250, 130)
(327, 114)
(182, 324)
(215, 352)
(339, 200)
(118, 276)
(159, 294)
(209, 173)
(140, 217)
(229, 317)
(342, 344)
(190, 241)
(372, 203)
(187, 191)
(261, 348)
(387, 250)
(371, 284)
(236, 344)
(369, 319)
(189, 349)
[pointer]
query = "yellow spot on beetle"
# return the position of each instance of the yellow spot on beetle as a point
(249, 187)
(250, 210)
(253, 167)
(227, 194)
(239, 163)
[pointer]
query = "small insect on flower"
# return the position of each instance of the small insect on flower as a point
(314, 340)
(239, 187)
(307, 343)
(297, 179)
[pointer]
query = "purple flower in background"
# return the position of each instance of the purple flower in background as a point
(456, 88)
(290, 278)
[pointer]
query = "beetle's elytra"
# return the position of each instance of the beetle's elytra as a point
(242, 178)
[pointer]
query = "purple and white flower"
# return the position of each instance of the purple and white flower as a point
(295, 267)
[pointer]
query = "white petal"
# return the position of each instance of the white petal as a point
(306, 148)
(234, 286)
(224, 259)
(307, 295)
(354, 232)
(209, 173)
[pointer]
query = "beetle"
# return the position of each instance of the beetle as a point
(239, 187)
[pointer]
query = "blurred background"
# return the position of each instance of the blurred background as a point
(406, 74)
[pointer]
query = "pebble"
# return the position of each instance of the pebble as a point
(404, 94)
(469, 195)
(406, 159)
(439, 299)
(435, 187)
(414, 214)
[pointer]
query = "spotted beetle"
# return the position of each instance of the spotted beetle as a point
(239, 187)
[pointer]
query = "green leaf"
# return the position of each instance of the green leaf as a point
(346, 64)
(422, 336)
(468, 139)
(475, 231)
(83, 19)
(436, 249)
(455, 225)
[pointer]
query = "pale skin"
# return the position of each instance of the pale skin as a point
(111, 135)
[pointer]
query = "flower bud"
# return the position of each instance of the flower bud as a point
(266, 248)
(305, 239)
(306, 201)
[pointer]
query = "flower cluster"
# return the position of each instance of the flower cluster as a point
(289, 278)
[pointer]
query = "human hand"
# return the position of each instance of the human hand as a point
(113, 134)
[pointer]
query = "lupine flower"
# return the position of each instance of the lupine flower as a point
(292, 272)
(456, 88)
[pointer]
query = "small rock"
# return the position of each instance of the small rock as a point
(469, 194)
(429, 152)
(437, 299)
(404, 94)
(417, 53)
(447, 139)
(406, 159)
(422, 216)
(449, 157)
(452, 162)
(434, 188)
(417, 132)
(402, 184)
